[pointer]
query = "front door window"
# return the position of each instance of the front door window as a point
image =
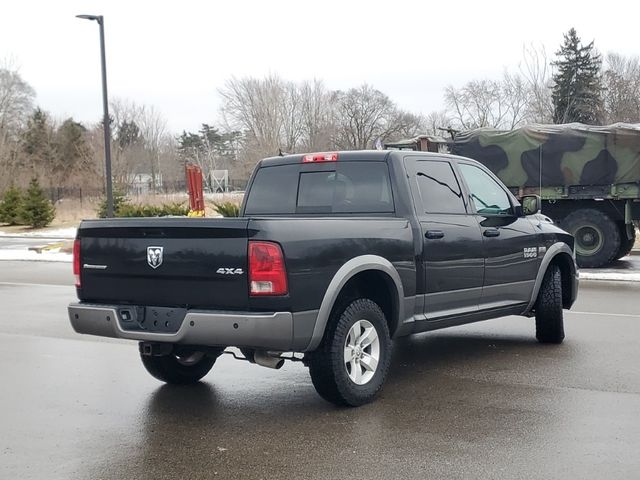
(488, 197)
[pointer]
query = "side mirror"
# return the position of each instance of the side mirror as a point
(531, 204)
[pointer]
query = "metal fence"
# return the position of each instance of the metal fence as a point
(79, 193)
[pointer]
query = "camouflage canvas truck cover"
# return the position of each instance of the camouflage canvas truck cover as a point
(587, 176)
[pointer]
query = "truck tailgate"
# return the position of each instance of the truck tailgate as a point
(184, 262)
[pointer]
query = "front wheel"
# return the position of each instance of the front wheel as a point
(183, 368)
(351, 364)
(548, 308)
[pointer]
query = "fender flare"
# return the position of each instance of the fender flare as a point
(552, 252)
(340, 279)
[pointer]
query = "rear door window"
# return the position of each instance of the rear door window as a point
(438, 186)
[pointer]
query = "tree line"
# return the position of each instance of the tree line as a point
(265, 116)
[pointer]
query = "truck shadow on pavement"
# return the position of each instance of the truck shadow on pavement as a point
(433, 352)
(416, 361)
(440, 387)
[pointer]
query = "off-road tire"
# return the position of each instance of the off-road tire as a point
(610, 234)
(627, 243)
(327, 364)
(548, 308)
(169, 369)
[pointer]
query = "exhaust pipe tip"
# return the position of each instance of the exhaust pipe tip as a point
(266, 359)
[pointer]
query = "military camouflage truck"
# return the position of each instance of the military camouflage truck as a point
(588, 177)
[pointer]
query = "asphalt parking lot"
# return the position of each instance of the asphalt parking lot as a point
(479, 401)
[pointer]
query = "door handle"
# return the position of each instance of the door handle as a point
(434, 234)
(491, 232)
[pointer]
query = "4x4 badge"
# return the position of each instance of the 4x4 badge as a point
(154, 256)
(229, 271)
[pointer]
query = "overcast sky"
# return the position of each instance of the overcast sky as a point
(175, 55)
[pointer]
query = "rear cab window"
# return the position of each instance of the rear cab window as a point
(357, 187)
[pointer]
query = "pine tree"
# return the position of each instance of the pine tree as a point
(120, 203)
(37, 143)
(37, 210)
(577, 90)
(11, 206)
(72, 152)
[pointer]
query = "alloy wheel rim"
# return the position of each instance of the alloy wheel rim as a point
(362, 352)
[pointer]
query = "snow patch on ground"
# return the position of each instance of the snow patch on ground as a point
(53, 233)
(611, 276)
(50, 256)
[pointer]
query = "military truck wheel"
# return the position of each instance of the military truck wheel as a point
(626, 243)
(351, 364)
(548, 308)
(179, 369)
(597, 237)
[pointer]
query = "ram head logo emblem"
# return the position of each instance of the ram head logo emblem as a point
(154, 256)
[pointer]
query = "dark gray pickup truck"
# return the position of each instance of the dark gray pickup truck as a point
(333, 256)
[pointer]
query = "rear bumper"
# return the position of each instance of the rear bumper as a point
(271, 331)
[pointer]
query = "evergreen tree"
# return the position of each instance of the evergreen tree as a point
(37, 144)
(120, 203)
(72, 152)
(577, 90)
(11, 206)
(37, 210)
(128, 134)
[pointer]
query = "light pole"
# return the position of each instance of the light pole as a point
(105, 109)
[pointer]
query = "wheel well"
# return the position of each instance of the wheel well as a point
(565, 264)
(374, 285)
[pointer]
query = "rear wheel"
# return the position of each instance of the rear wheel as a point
(597, 237)
(351, 364)
(183, 368)
(548, 308)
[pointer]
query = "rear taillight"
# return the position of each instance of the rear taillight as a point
(267, 273)
(76, 262)
(320, 157)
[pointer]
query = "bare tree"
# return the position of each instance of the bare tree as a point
(489, 103)
(515, 97)
(127, 147)
(16, 104)
(316, 116)
(536, 72)
(153, 127)
(404, 125)
(622, 88)
(264, 109)
(139, 135)
(436, 121)
(363, 115)
(16, 99)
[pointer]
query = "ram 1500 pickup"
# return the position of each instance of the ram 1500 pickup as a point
(333, 256)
